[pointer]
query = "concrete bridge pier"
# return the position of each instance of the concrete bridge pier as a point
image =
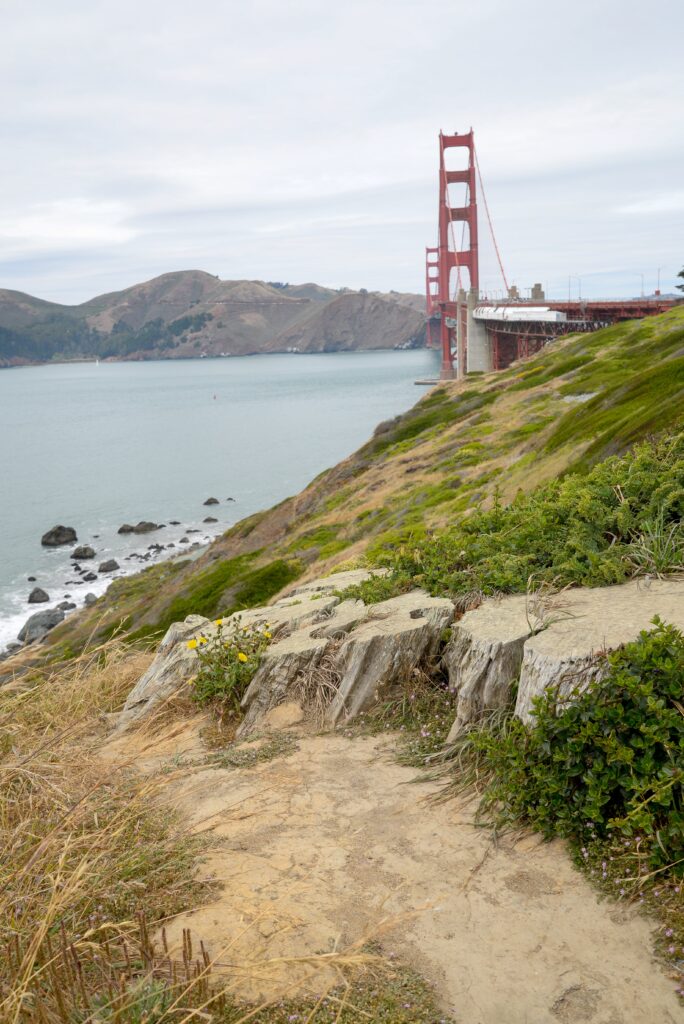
(480, 356)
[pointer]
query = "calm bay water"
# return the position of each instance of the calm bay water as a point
(93, 446)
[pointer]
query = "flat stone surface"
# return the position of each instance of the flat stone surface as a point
(587, 623)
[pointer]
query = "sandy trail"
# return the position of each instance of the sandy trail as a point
(316, 847)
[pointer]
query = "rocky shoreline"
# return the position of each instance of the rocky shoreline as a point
(105, 569)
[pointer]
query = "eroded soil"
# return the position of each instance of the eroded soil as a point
(332, 842)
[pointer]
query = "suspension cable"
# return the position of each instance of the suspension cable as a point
(489, 220)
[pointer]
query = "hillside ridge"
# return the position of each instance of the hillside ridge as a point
(191, 313)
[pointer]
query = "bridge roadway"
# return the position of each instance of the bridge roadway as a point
(490, 336)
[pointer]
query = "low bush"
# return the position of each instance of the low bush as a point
(588, 530)
(606, 764)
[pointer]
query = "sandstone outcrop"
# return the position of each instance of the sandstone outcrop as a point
(365, 649)
(484, 656)
(566, 655)
(560, 645)
(342, 655)
(173, 666)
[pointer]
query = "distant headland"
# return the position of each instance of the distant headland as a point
(190, 314)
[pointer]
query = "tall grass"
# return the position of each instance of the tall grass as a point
(92, 862)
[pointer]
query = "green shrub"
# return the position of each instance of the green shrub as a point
(586, 530)
(605, 764)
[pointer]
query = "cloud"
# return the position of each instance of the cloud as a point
(299, 141)
(667, 202)
(64, 224)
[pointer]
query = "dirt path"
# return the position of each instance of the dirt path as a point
(315, 848)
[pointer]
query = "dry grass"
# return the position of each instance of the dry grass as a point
(317, 687)
(545, 604)
(92, 858)
(85, 848)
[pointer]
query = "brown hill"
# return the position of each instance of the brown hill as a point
(191, 313)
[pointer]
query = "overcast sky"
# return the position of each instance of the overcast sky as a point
(296, 140)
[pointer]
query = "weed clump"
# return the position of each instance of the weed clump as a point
(421, 711)
(228, 661)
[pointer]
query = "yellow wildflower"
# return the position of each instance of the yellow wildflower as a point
(267, 635)
(203, 640)
(218, 622)
(241, 656)
(192, 644)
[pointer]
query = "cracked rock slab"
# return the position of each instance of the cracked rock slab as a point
(310, 606)
(396, 637)
(368, 648)
(484, 656)
(171, 669)
(567, 654)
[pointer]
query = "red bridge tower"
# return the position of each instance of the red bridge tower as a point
(453, 254)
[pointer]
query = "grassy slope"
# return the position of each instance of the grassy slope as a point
(421, 471)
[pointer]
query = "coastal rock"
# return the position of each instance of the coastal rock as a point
(210, 519)
(57, 536)
(38, 625)
(484, 655)
(84, 551)
(184, 540)
(397, 637)
(38, 596)
(89, 600)
(111, 565)
(89, 577)
(31, 579)
(174, 522)
(211, 501)
(126, 528)
(568, 654)
(172, 667)
(146, 527)
(66, 606)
